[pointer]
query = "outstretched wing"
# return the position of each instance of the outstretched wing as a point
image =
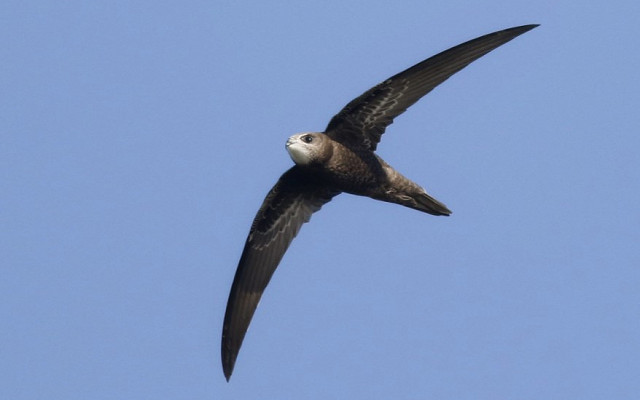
(361, 123)
(288, 205)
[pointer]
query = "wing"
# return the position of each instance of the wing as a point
(288, 205)
(362, 122)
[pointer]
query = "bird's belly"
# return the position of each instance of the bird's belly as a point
(355, 173)
(359, 182)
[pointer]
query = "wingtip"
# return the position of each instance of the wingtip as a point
(228, 370)
(511, 33)
(228, 361)
(517, 30)
(525, 28)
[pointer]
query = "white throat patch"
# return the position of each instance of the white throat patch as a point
(299, 152)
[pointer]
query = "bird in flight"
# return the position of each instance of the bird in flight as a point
(340, 159)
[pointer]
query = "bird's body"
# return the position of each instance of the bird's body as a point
(341, 159)
(361, 172)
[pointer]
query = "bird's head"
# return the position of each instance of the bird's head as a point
(309, 148)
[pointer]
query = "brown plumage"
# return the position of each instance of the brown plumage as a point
(341, 159)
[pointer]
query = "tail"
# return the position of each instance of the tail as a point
(401, 190)
(424, 202)
(417, 199)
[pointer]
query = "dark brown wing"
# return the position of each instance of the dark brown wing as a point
(361, 123)
(288, 205)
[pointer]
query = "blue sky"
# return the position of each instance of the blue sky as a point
(138, 139)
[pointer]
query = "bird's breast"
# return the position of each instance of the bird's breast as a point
(353, 172)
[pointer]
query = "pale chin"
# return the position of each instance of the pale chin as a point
(299, 154)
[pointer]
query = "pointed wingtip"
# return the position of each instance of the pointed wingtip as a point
(228, 358)
(227, 366)
(525, 28)
(228, 370)
(516, 30)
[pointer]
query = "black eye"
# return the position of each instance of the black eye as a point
(307, 139)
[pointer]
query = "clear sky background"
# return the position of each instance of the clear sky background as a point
(139, 138)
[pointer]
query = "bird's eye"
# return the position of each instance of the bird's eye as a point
(307, 139)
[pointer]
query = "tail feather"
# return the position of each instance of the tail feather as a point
(426, 203)
(401, 190)
(417, 199)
